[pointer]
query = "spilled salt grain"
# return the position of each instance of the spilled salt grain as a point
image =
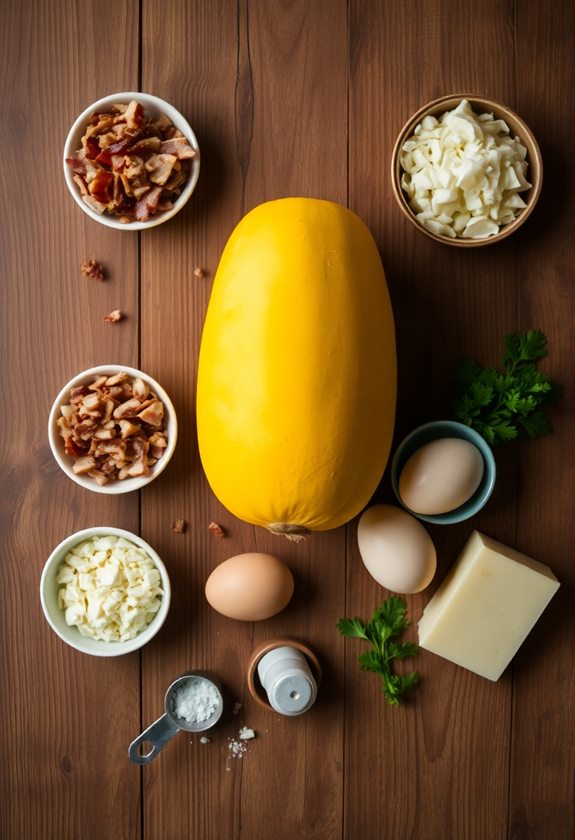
(205, 740)
(236, 748)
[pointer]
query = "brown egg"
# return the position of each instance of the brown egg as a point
(250, 587)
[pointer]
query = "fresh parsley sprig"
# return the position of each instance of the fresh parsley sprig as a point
(388, 621)
(502, 405)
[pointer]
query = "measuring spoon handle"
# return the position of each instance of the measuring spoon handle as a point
(157, 734)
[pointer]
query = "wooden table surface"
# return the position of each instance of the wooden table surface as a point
(287, 97)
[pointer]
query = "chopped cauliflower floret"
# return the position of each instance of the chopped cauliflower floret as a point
(464, 166)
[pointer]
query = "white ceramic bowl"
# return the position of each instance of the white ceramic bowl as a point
(153, 106)
(66, 462)
(55, 616)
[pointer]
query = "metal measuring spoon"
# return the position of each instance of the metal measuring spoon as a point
(166, 726)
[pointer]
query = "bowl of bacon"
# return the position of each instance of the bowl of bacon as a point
(131, 161)
(112, 429)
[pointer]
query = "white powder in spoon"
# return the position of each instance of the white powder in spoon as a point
(196, 700)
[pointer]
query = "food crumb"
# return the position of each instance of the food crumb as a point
(113, 316)
(237, 748)
(205, 740)
(237, 707)
(92, 268)
(199, 273)
(216, 529)
(179, 526)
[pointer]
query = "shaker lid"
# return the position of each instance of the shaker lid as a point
(293, 693)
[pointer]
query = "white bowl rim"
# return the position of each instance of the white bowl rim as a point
(97, 647)
(177, 118)
(128, 485)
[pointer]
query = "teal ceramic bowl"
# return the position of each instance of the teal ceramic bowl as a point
(434, 431)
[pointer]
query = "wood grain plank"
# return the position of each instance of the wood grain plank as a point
(543, 746)
(187, 791)
(443, 760)
(255, 98)
(66, 717)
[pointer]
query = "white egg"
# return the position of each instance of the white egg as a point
(396, 549)
(441, 476)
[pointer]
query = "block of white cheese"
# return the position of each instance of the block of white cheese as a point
(486, 606)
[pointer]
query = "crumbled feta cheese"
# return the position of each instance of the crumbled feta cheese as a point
(110, 589)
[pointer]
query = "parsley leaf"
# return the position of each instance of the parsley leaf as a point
(352, 628)
(387, 622)
(501, 406)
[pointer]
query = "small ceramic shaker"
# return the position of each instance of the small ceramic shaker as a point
(285, 674)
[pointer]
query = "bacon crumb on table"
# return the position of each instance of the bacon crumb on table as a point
(92, 268)
(199, 273)
(113, 316)
(179, 526)
(216, 529)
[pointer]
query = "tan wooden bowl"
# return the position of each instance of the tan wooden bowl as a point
(255, 688)
(518, 129)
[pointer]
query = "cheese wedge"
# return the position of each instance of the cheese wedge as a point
(486, 606)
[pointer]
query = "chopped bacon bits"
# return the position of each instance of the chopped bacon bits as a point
(178, 146)
(129, 165)
(113, 428)
(216, 529)
(100, 187)
(113, 316)
(159, 167)
(84, 465)
(179, 526)
(153, 414)
(147, 205)
(92, 268)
